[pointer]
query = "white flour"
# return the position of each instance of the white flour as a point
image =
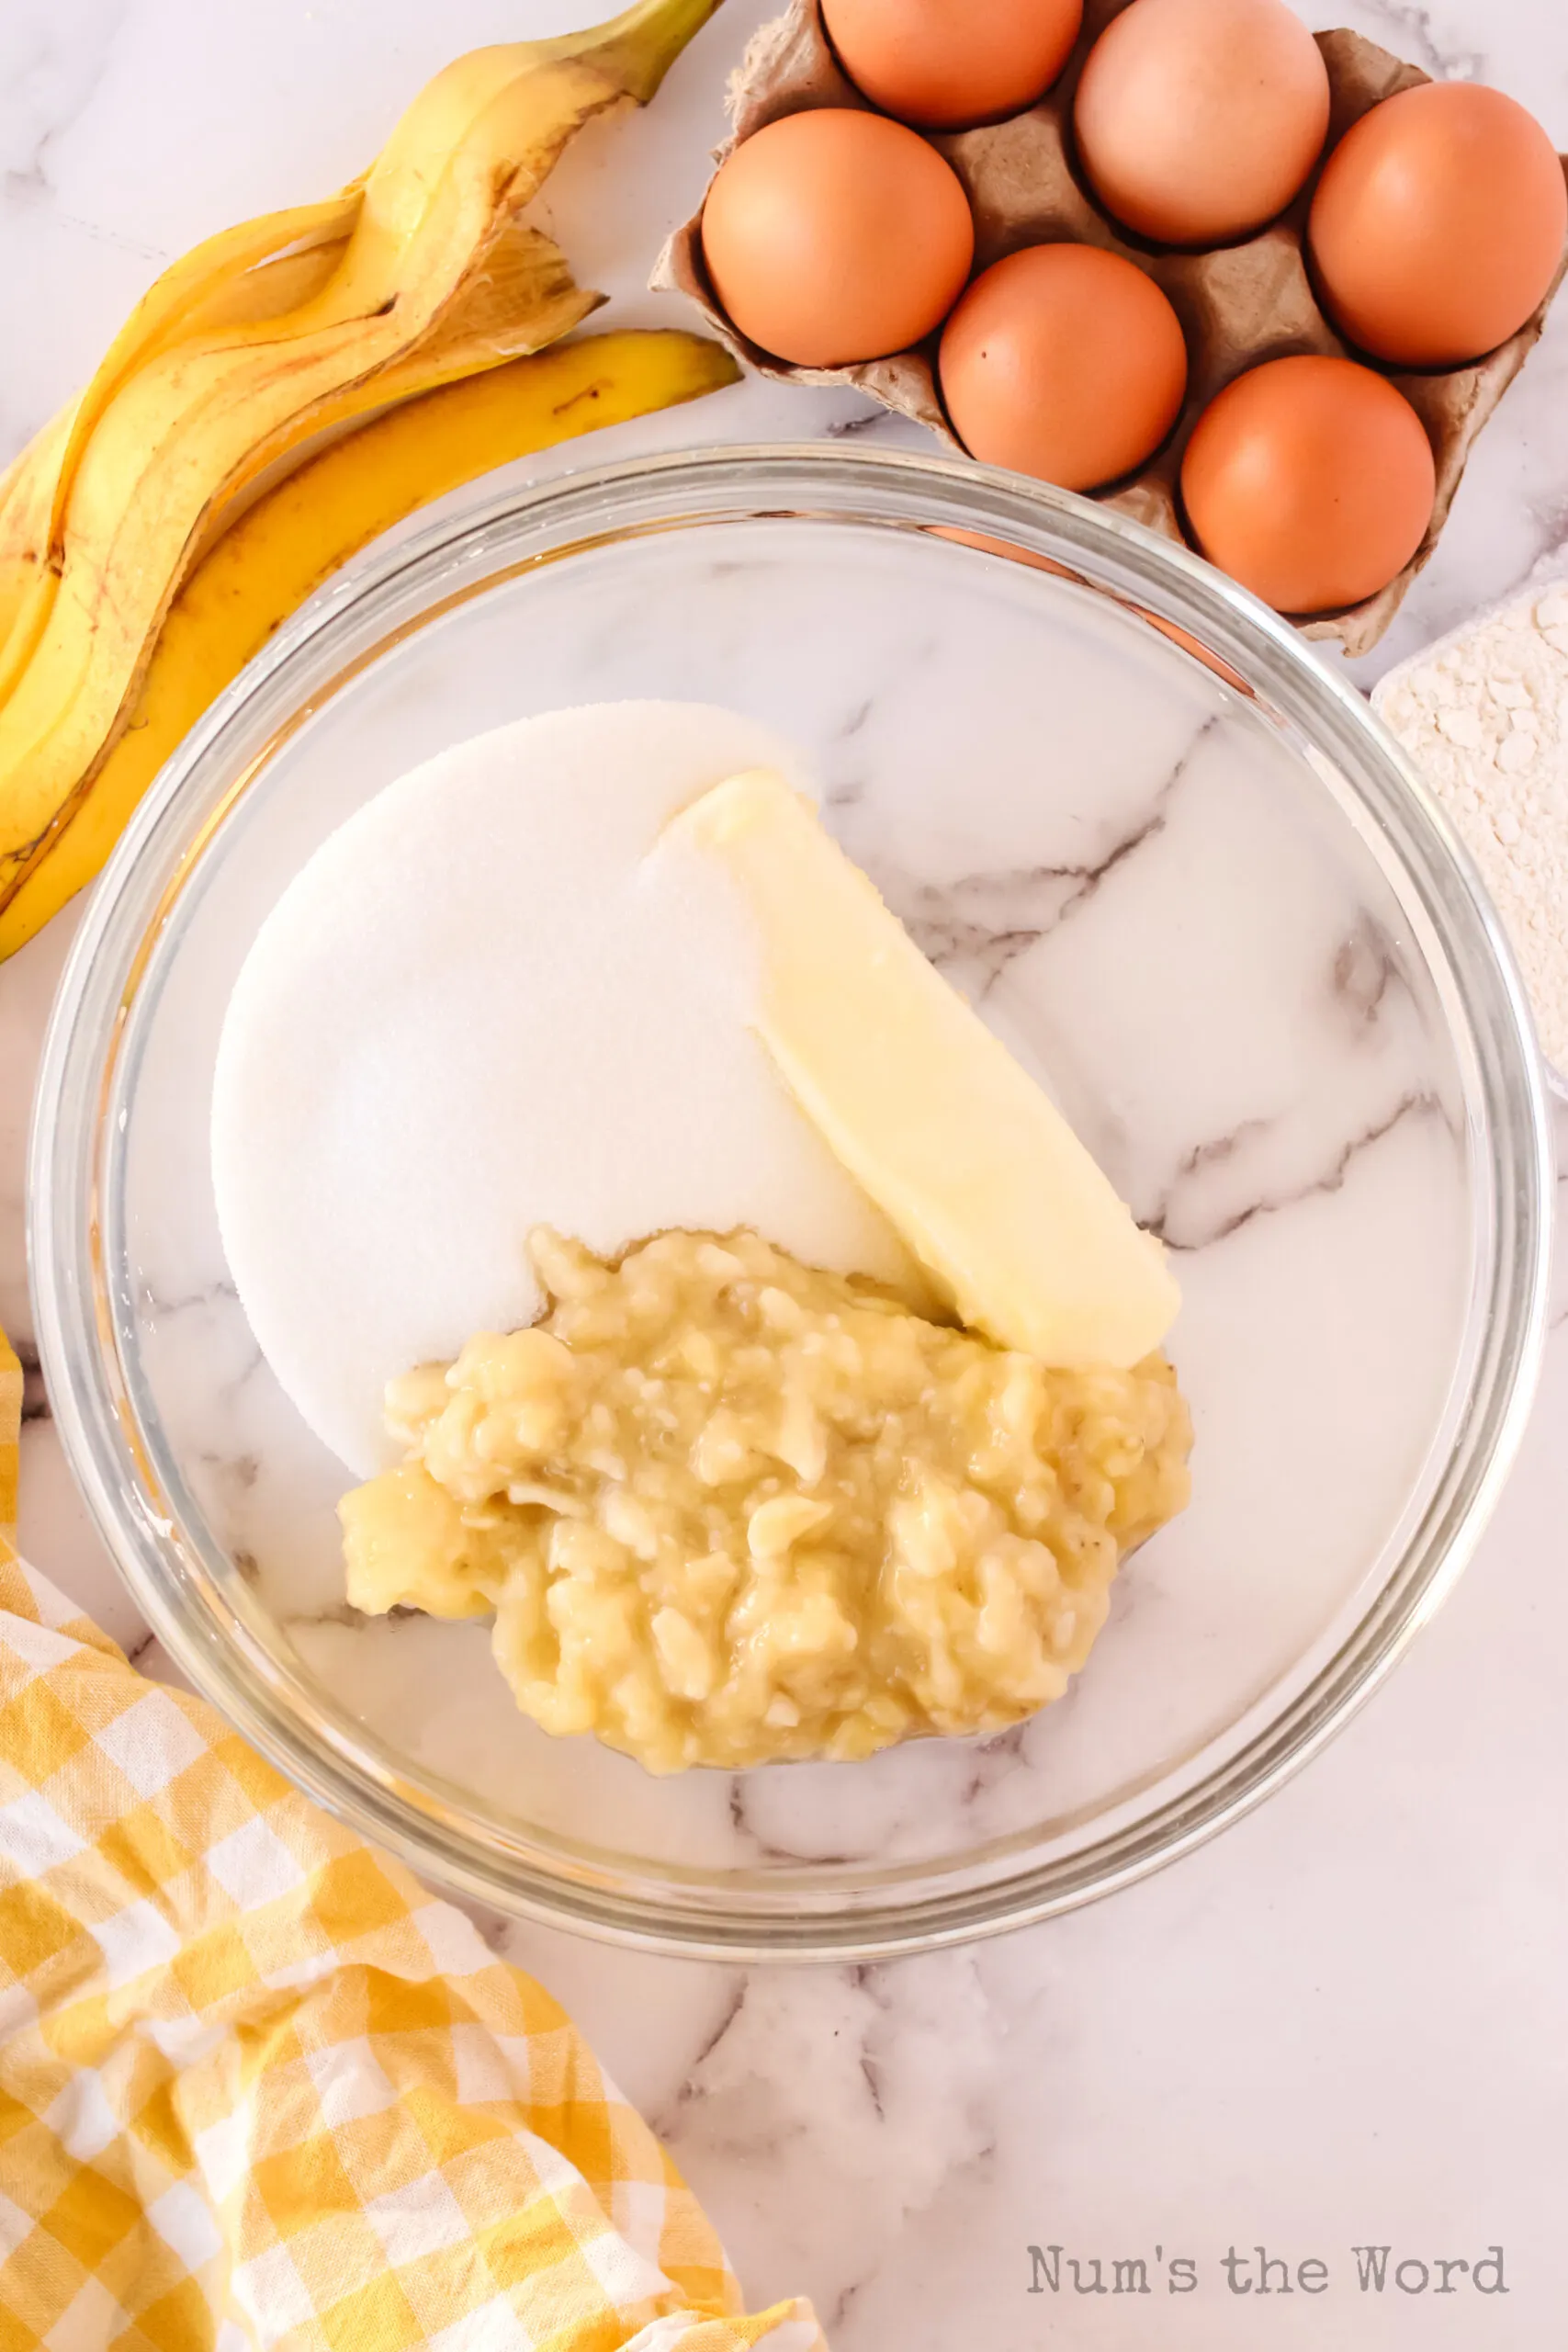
(1485, 713)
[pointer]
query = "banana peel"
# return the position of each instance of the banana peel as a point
(218, 283)
(312, 522)
(27, 575)
(178, 438)
(260, 271)
(521, 301)
(214, 277)
(476, 109)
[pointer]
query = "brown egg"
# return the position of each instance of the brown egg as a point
(1063, 362)
(1198, 120)
(1438, 224)
(1310, 482)
(833, 235)
(946, 63)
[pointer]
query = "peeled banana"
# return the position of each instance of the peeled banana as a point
(296, 537)
(97, 530)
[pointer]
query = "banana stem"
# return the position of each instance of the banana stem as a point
(639, 47)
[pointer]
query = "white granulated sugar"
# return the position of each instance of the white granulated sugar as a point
(477, 1010)
(1485, 713)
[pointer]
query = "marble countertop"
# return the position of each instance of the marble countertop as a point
(1339, 2026)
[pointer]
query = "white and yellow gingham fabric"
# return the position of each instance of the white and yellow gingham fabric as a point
(257, 2088)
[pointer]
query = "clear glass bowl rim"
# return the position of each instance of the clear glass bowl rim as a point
(1509, 1133)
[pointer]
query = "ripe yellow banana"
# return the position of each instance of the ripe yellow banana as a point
(303, 530)
(180, 435)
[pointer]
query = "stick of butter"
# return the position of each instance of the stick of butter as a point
(975, 1168)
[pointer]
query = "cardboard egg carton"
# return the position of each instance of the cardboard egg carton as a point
(1239, 306)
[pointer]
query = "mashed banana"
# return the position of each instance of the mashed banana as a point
(729, 1509)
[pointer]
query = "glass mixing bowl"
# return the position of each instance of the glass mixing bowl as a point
(1186, 876)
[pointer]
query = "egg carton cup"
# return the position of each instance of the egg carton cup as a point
(1238, 305)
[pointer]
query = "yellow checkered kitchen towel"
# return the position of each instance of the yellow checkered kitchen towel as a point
(258, 2088)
